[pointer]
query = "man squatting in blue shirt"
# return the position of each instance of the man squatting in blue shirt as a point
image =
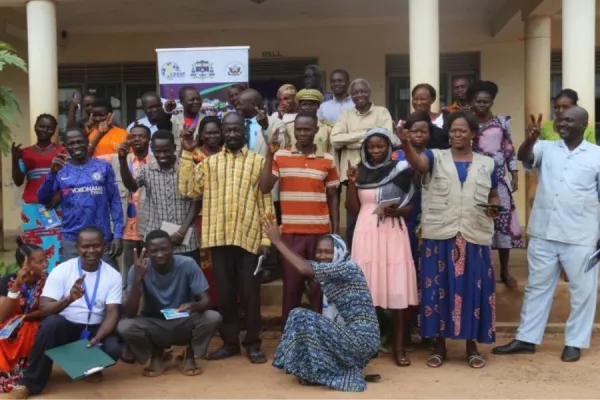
(89, 197)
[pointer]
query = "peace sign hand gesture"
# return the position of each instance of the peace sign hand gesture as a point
(352, 172)
(262, 118)
(106, 125)
(140, 264)
(402, 134)
(274, 143)
(534, 128)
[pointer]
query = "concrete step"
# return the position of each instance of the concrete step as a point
(508, 301)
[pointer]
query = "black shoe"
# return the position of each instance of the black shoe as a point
(515, 347)
(257, 357)
(222, 353)
(571, 354)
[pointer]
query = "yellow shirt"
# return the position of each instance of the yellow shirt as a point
(349, 132)
(232, 204)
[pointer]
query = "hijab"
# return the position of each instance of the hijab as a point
(391, 178)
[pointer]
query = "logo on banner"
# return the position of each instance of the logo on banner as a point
(235, 69)
(171, 70)
(202, 70)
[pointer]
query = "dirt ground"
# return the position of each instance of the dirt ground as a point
(541, 376)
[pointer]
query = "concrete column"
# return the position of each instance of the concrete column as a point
(579, 51)
(424, 38)
(42, 60)
(538, 52)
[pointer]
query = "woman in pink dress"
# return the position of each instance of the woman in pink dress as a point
(381, 243)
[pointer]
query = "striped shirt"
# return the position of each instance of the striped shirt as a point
(303, 183)
(232, 204)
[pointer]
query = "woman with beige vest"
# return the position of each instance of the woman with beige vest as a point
(457, 278)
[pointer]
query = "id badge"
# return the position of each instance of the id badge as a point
(85, 335)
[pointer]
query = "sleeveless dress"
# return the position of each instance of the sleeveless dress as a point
(382, 249)
(36, 166)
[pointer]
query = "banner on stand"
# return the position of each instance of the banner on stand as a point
(211, 70)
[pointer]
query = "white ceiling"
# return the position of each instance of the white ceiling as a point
(112, 14)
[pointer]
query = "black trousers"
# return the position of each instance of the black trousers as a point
(56, 331)
(233, 270)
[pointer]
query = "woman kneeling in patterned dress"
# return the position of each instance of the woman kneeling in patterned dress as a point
(314, 348)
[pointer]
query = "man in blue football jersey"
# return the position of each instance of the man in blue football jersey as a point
(89, 197)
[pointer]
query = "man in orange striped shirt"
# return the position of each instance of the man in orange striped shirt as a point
(308, 181)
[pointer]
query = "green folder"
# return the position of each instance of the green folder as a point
(79, 361)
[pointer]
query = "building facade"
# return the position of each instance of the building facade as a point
(530, 48)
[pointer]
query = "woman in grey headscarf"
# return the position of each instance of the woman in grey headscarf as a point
(316, 349)
(379, 192)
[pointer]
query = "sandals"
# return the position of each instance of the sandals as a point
(373, 378)
(159, 367)
(221, 354)
(476, 361)
(187, 366)
(435, 360)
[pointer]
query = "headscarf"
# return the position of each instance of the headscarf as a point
(392, 178)
(287, 89)
(341, 255)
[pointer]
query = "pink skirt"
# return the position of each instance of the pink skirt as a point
(382, 249)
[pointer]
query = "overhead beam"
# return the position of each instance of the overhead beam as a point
(509, 10)
(520, 10)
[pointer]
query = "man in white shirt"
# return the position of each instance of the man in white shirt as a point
(155, 113)
(330, 110)
(80, 300)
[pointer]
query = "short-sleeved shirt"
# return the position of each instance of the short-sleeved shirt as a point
(165, 202)
(179, 286)
(565, 208)
(63, 277)
(303, 184)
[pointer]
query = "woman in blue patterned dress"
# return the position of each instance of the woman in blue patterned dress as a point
(315, 349)
(457, 277)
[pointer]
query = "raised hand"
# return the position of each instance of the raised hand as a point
(16, 151)
(270, 227)
(171, 104)
(106, 125)
(124, 148)
(534, 128)
(77, 289)
(188, 142)
(274, 143)
(23, 273)
(90, 125)
(262, 118)
(352, 172)
(402, 134)
(58, 162)
(140, 264)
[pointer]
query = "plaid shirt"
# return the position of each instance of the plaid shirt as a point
(165, 204)
(232, 204)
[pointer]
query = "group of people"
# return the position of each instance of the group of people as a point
(181, 209)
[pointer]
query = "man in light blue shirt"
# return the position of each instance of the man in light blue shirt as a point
(564, 231)
(331, 109)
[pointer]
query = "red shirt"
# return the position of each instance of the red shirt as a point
(36, 166)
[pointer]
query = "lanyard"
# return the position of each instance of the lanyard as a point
(29, 295)
(90, 302)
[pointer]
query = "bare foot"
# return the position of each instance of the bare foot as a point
(158, 365)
